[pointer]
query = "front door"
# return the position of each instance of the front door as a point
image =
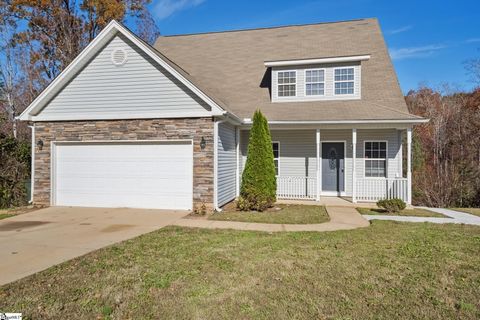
(333, 165)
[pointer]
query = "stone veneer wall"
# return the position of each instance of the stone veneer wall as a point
(152, 129)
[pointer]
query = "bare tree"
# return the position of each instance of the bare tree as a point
(473, 69)
(9, 75)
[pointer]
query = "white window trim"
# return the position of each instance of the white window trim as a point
(365, 160)
(296, 84)
(340, 81)
(278, 159)
(324, 82)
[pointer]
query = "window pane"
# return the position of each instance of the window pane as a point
(375, 168)
(275, 149)
(344, 74)
(286, 77)
(315, 89)
(276, 166)
(344, 87)
(375, 150)
(286, 90)
(314, 82)
(314, 76)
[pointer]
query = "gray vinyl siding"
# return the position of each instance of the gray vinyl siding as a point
(329, 82)
(138, 88)
(298, 151)
(227, 165)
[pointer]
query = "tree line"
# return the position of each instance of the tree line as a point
(446, 150)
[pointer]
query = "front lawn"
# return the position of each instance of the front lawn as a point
(474, 211)
(288, 214)
(407, 212)
(387, 271)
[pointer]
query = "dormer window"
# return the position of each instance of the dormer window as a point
(344, 81)
(322, 79)
(287, 83)
(315, 82)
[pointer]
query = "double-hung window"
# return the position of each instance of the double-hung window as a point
(276, 156)
(344, 80)
(375, 158)
(287, 83)
(315, 82)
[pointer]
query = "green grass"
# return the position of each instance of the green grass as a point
(289, 214)
(389, 270)
(5, 215)
(407, 212)
(474, 211)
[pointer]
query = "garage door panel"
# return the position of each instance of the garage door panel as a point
(124, 175)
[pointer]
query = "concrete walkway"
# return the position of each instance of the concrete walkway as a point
(454, 217)
(37, 240)
(341, 218)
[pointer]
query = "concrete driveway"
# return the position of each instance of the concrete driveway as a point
(34, 241)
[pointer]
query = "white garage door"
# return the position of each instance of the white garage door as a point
(135, 175)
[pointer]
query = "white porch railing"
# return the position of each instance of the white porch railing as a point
(378, 189)
(293, 187)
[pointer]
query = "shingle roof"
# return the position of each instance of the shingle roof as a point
(229, 67)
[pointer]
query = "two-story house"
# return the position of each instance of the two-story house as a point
(131, 125)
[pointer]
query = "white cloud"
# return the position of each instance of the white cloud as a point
(473, 40)
(399, 30)
(165, 8)
(415, 52)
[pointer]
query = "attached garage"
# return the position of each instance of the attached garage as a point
(145, 174)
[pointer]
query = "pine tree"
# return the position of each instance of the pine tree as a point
(259, 185)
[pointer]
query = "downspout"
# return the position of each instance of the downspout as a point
(32, 164)
(215, 164)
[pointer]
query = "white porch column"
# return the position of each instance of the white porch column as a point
(354, 165)
(409, 165)
(319, 168)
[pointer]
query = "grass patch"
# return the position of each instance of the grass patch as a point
(390, 270)
(288, 214)
(10, 212)
(407, 212)
(474, 211)
(5, 215)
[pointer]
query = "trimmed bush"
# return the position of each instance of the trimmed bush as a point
(392, 205)
(259, 185)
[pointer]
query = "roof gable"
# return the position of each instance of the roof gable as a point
(84, 60)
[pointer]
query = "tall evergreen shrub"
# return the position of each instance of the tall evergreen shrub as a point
(259, 185)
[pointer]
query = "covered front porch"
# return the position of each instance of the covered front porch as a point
(357, 164)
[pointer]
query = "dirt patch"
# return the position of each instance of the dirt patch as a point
(117, 227)
(20, 225)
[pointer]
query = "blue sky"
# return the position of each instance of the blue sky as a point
(428, 40)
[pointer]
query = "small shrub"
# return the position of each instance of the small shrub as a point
(200, 209)
(392, 205)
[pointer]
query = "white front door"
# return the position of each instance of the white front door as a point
(157, 175)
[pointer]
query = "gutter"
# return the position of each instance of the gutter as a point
(422, 120)
(230, 117)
